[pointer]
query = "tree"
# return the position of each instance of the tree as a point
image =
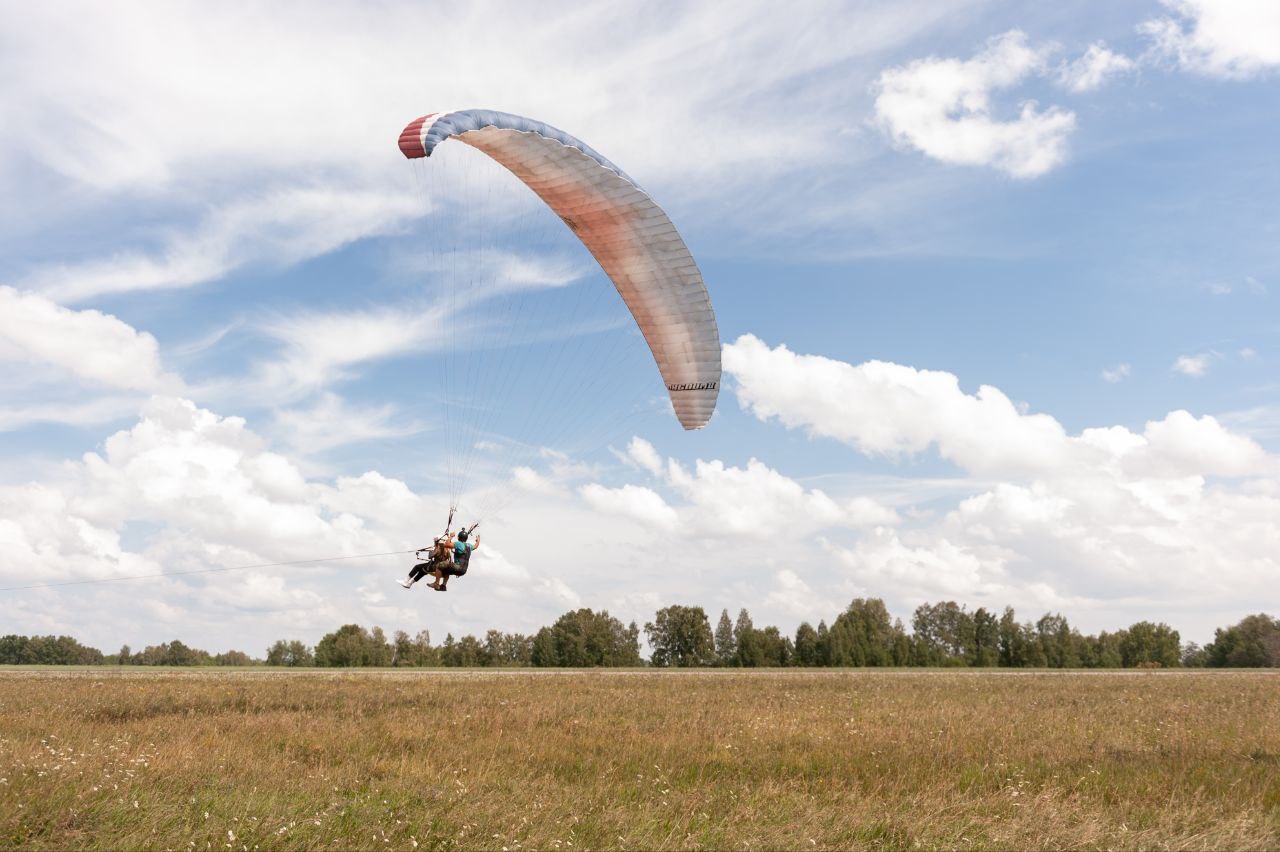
(507, 649)
(47, 651)
(543, 653)
(822, 649)
(726, 647)
(467, 652)
(1253, 642)
(680, 636)
(746, 642)
(772, 648)
(351, 645)
(986, 638)
(1145, 643)
(864, 635)
(402, 653)
(1009, 639)
(1103, 651)
(944, 634)
(289, 653)
(806, 645)
(412, 652)
(584, 639)
(232, 658)
(1058, 642)
(1193, 656)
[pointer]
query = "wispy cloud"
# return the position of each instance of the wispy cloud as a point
(1116, 374)
(279, 228)
(333, 422)
(1195, 366)
(319, 348)
(1090, 70)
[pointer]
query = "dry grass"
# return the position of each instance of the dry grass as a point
(249, 760)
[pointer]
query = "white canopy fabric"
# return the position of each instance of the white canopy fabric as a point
(628, 234)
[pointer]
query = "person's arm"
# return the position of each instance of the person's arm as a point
(476, 546)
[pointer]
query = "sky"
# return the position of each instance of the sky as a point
(997, 286)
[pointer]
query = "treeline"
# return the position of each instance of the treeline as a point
(864, 634)
(578, 639)
(65, 651)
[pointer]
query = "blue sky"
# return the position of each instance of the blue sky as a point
(997, 284)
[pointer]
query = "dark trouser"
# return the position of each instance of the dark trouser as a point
(419, 571)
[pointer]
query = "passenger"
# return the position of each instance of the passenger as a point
(441, 553)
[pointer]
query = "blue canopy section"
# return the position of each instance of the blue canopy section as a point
(457, 123)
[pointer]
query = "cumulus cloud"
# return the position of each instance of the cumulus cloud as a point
(642, 453)
(900, 410)
(789, 593)
(723, 501)
(1185, 510)
(1231, 39)
(633, 501)
(185, 489)
(942, 107)
(94, 347)
(1091, 70)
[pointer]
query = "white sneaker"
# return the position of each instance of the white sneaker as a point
(406, 582)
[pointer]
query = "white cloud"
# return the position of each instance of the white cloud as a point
(247, 100)
(281, 228)
(789, 593)
(632, 501)
(937, 569)
(94, 347)
(1091, 70)
(642, 453)
(1194, 366)
(759, 502)
(900, 410)
(529, 480)
(722, 501)
(1261, 422)
(1232, 39)
(319, 348)
(1116, 374)
(942, 107)
(333, 422)
(103, 409)
(207, 492)
(493, 269)
(1180, 517)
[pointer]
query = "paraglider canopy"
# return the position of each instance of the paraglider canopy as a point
(629, 235)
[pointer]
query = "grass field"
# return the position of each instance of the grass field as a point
(568, 760)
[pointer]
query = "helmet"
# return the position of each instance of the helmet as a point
(462, 535)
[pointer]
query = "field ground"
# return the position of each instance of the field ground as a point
(198, 759)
